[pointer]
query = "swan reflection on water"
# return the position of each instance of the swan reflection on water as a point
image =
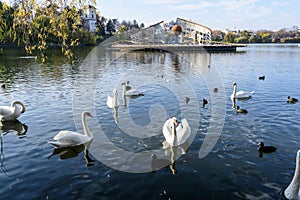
(158, 163)
(71, 152)
(69, 144)
(116, 114)
(6, 127)
(16, 127)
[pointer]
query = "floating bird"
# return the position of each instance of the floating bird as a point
(240, 94)
(132, 93)
(292, 191)
(11, 113)
(216, 89)
(241, 110)
(204, 102)
(261, 78)
(187, 99)
(71, 138)
(112, 102)
(265, 149)
(292, 100)
(3, 86)
(128, 87)
(175, 133)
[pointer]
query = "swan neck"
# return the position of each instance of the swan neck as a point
(297, 172)
(124, 90)
(234, 90)
(19, 103)
(115, 100)
(173, 133)
(85, 127)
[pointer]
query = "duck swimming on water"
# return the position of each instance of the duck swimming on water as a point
(265, 149)
(292, 100)
(241, 110)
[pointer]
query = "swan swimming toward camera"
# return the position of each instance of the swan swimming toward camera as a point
(12, 112)
(175, 133)
(292, 191)
(112, 102)
(240, 94)
(71, 138)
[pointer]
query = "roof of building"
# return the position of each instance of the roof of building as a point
(178, 18)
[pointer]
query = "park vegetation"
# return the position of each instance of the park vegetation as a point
(285, 35)
(38, 25)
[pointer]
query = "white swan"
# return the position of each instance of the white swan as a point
(127, 91)
(175, 133)
(71, 138)
(112, 101)
(292, 191)
(11, 113)
(240, 94)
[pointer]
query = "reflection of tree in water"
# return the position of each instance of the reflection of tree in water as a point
(176, 62)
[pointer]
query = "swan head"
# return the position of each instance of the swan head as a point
(234, 84)
(14, 103)
(115, 91)
(174, 121)
(87, 114)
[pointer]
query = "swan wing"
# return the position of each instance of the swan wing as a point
(70, 138)
(167, 131)
(183, 131)
(6, 110)
(110, 101)
(62, 133)
(243, 94)
(9, 113)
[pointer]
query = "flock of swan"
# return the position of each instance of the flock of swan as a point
(175, 133)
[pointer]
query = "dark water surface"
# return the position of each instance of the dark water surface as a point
(56, 92)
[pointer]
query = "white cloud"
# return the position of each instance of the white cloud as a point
(279, 3)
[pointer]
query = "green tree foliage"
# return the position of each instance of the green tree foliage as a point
(6, 21)
(35, 24)
(229, 38)
(285, 35)
(265, 37)
(110, 27)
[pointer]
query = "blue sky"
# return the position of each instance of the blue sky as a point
(216, 14)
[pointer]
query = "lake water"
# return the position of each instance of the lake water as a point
(221, 161)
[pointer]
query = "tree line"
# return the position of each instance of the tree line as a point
(38, 24)
(284, 35)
